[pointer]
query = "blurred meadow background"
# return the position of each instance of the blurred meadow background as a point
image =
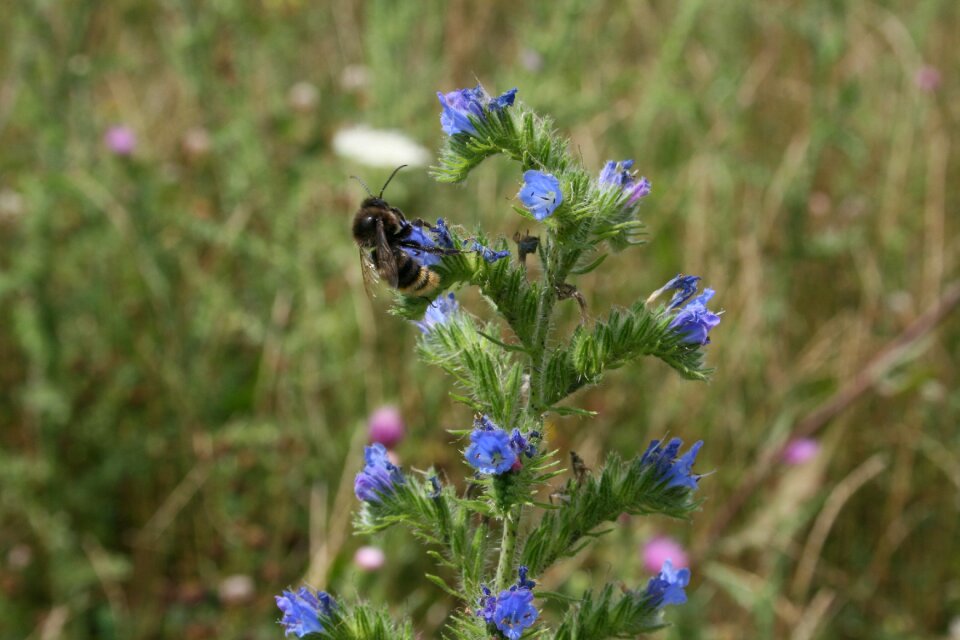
(188, 357)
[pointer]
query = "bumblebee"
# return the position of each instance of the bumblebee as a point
(392, 247)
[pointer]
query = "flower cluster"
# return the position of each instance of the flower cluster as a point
(519, 384)
(669, 469)
(302, 610)
(619, 175)
(694, 321)
(463, 106)
(426, 235)
(493, 451)
(379, 476)
(511, 610)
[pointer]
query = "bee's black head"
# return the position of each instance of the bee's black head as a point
(365, 227)
(374, 202)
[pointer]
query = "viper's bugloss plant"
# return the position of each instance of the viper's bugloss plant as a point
(515, 371)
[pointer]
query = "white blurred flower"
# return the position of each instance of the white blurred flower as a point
(19, 557)
(379, 147)
(354, 77)
(236, 589)
(303, 97)
(11, 205)
(196, 142)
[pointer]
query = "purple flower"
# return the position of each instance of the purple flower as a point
(695, 321)
(490, 451)
(800, 451)
(540, 193)
(660, 549)
(489, 254)
(667, 587)
(439, 312)
(460, 105)
(379, 475)
(675, 472)
(619, 175)
(302, 610)
(927, 78)
(511, 611)
(120, 139)
(369, 558)
(386, 426)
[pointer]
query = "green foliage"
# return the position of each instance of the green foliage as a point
(479, 365)
(604, 615)
(583, 505)
(625, 335)
(361, 621)
(442, 520)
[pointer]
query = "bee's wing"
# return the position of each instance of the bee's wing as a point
(369, 272)
(386, 261)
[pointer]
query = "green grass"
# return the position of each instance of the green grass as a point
(180, 336)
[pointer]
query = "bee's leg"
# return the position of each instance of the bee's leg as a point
(399, 214)
(566, 291)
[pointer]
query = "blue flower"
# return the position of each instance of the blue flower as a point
(435, 488)
(667, 587)
(618, 174)
(439, 312)
(540, 193)
(442, 234)
(302, 610)
(522, 444)
(490, 451)
(511, 610)
(494, 451)
(668, 468)
(459, 105)
(489, 254)
(379, 475)
(418, 235)
(685, 287)
(695, 321)
(503, 101)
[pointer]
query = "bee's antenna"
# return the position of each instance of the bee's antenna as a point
(370, 193)
(389, 179)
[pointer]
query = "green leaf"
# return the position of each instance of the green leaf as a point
(440, 582)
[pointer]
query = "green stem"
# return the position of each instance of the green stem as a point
(508, 546)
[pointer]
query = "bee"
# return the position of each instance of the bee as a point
(387, 240)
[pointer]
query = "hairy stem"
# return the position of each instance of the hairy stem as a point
(508, 545)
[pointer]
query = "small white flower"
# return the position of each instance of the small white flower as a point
(379, 147)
